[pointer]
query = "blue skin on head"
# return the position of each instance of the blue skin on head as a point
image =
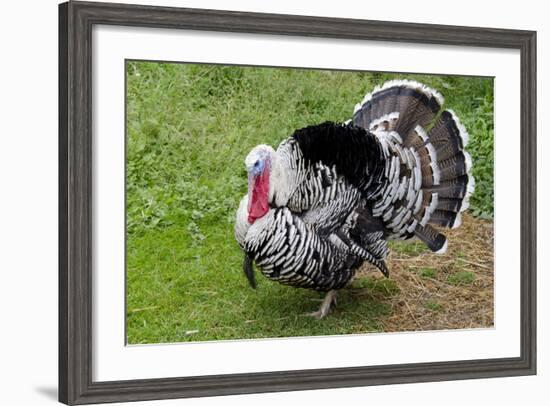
(258, 166)
(255, 171)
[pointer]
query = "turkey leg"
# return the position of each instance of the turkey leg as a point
(329, 299)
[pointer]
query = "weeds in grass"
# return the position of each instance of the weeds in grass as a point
(408, 247)
(428, 272)
(433, 305)
(461, 278)
(376, 287)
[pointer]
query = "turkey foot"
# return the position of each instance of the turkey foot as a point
(329, 299)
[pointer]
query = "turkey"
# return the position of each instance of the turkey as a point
(332, 195)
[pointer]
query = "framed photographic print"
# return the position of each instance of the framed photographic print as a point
(257, 202)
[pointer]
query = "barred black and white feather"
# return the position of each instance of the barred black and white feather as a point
(288, 250)
(292, 251)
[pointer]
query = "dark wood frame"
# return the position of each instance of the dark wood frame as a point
(76, 20)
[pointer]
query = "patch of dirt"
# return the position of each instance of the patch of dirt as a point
(450, 291)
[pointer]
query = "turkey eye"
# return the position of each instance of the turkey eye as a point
(257, 164)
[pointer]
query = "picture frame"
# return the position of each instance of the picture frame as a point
(76, 352)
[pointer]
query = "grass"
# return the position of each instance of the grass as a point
(428, 273)
(189, 129)
(409, 247)
(433, 305)
(376, 287)
(461, 278)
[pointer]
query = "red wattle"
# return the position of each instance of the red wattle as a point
(259, 201)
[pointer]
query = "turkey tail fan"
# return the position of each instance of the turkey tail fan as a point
(433, 184)
(455, 184)
(446, 173)
(398, 105)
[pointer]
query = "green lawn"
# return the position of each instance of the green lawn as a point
(189, 129)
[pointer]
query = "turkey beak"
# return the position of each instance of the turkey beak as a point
(249, 271)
